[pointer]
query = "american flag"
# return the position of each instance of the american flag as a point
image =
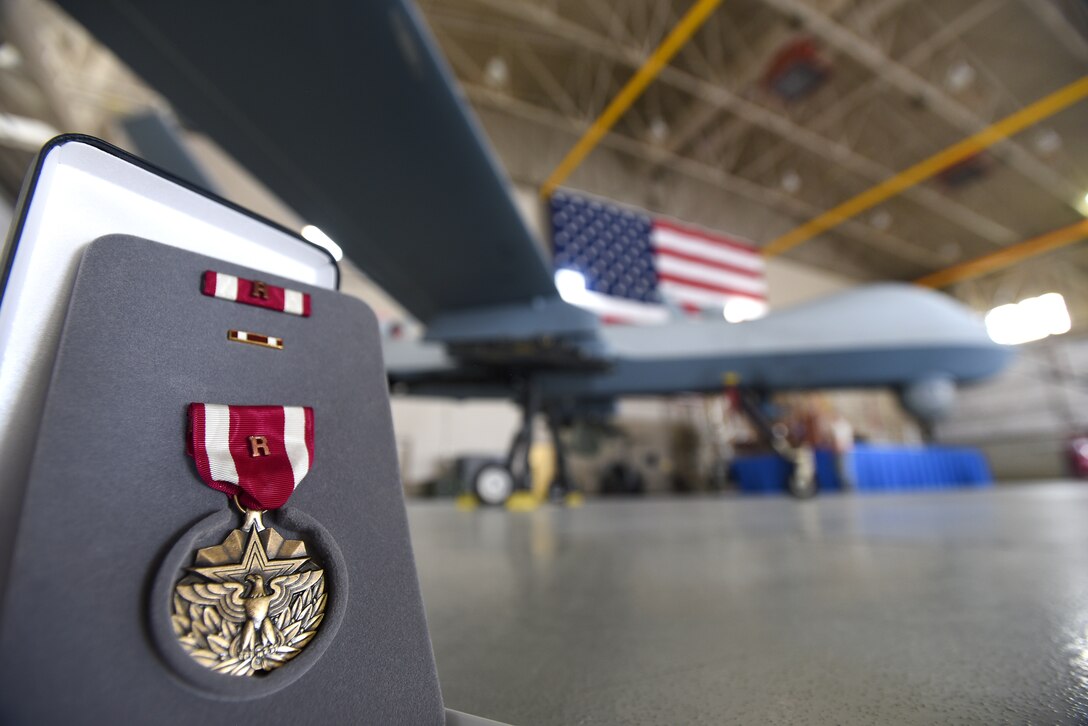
(634, 266)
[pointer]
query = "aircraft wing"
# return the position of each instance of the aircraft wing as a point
(887, 334)
(348, 113)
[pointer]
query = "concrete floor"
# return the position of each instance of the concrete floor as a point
(938, 608)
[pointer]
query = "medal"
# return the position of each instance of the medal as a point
(253, 602)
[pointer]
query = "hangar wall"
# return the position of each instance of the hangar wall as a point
(1023, 418)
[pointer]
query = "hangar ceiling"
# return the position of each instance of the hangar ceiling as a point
(775, 111)
(904, 79)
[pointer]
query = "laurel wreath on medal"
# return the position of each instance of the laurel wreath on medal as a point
(250, 604)
(213, 641)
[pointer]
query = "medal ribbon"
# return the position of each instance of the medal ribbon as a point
(255, 292)
(257, 453)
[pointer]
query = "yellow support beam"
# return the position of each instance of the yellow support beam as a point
(674, 41)
(1008, 256)
(1014, 123)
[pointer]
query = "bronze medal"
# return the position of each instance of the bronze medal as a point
(251, 603)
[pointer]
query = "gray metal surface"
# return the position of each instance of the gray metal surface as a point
(888, 334)
(935, 608)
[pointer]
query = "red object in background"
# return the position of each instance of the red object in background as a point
(796, 70)
(732, 397)
(1078, 456)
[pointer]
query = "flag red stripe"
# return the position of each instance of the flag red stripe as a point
(724, 266)
(708, 237)
(708, 286)
(209, 283)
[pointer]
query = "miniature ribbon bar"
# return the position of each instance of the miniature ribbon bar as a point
(255, 292)
(258, 453)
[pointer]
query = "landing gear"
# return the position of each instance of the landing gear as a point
(493, 484)
(517, 458)
(802, 482)
(562, 487)
(801, 487)
(497, 484)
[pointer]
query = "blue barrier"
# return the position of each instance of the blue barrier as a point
(873, 468)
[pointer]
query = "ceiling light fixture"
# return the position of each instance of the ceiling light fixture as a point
(659, 129)
(1031, 319)
(791, 181)
(496, 72)
(10, 57)
(1047, 142)
(960, 75)
(23, 132)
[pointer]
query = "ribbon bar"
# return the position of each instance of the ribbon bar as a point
(258, 453)
(255, 292)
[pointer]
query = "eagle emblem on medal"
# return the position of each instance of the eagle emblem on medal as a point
(250, 604)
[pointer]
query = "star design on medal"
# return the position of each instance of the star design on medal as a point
(242, 609)
(254, 561)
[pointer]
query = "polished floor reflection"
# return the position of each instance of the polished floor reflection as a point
(937, 608)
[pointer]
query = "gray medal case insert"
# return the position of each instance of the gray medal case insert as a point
(111, 492)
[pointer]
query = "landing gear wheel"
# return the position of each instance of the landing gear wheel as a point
(801, 486)
(493, 484)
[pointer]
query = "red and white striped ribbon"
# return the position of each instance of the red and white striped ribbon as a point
(259, 453)
(255, 292)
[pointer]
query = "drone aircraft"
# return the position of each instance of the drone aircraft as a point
(347, 111)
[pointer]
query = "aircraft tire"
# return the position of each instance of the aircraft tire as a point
(493, 484)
